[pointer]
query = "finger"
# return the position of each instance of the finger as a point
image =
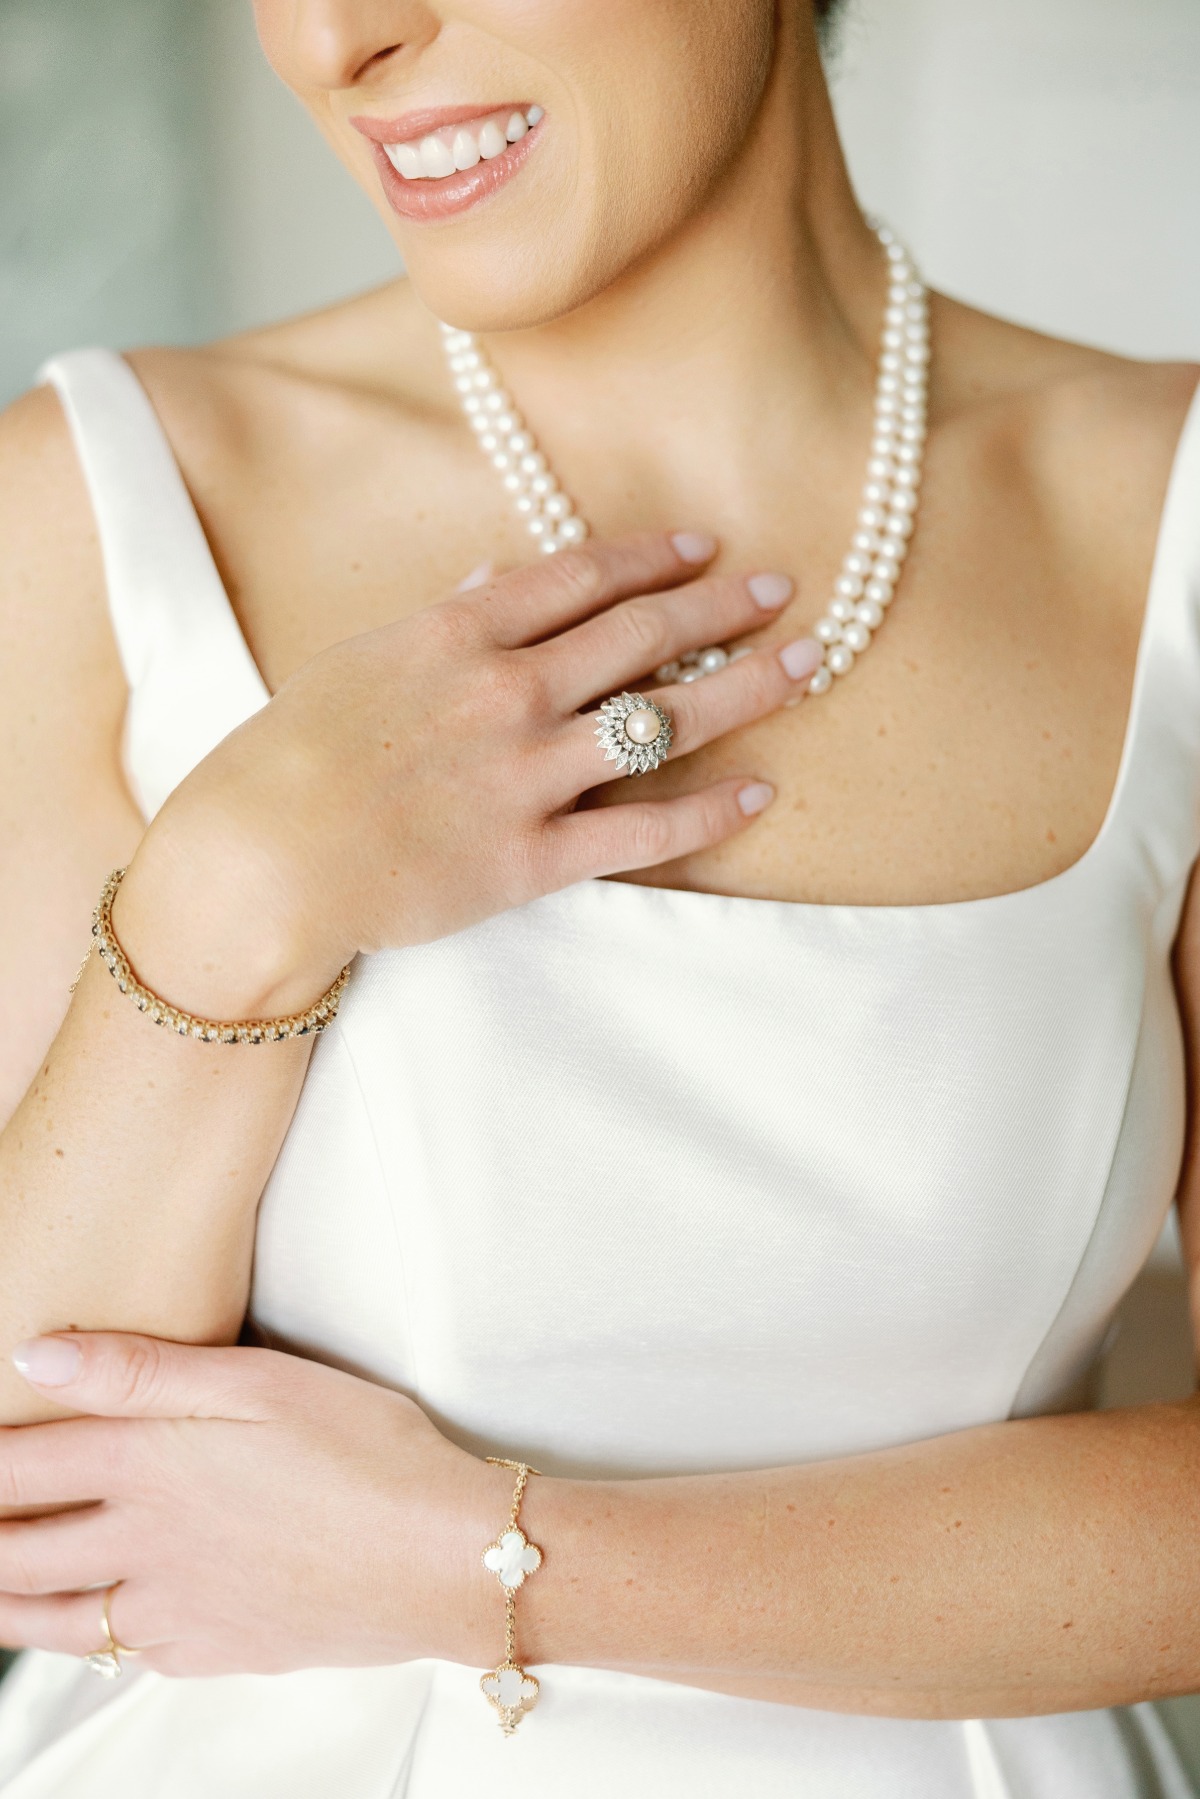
(651, 629)
(70, 1461)
(609, 839)
(478, 577)
(118, 1375)
(737, 694)
(61, 1554)
(530, 603)
(67, 1623)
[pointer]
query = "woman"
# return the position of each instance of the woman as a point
(773, 1198)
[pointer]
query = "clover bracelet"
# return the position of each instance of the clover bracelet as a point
(511, 1558)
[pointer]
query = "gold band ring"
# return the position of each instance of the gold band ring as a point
(106, 1662)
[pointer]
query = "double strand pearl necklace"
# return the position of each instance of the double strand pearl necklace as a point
(871, 567)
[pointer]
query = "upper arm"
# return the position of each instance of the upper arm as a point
(1187, 985)
(66, 817)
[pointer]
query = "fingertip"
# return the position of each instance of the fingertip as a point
(694, 546)
(754, 798)
(48, 1361)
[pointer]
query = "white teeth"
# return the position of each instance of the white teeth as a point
(436, 159)
(491, 141)
(465, 150)
(445, 152)
(406, 158)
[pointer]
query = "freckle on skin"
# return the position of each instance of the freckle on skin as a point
(58, 1152)
(1051, 837)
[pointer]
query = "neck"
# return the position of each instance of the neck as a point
(692, 389)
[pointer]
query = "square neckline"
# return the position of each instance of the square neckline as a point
(1161, 574)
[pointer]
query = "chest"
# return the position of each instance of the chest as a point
(973, 751)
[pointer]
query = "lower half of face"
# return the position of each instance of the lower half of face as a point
(525, 153)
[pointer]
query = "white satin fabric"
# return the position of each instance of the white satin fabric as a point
(903, 1163)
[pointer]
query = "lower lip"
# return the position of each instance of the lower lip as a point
(426, 201)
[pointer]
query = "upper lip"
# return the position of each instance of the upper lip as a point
(412, 125)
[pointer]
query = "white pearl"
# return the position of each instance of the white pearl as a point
(891, 362)
(866, 542)
(856, 635)
(900, 524)
(572, 530)
(458, 341)
(883, 445)
(879, 592)
(543, 485)
(502, 461)
(912, 433)
(827, 630)
(902, 501)
(520, 442)
(506, 422)
(712, 659)
(472, 404)
(549, 546)
(689, 675)
(895, 315)
(870, 614)
(481, 424)
(887, 404)
(556, 506)
(464, 384)
(643, 726)
(841, 608)
(527, 505)
(892, 548)
(908, 455)
(887, 384)
(908, 479)
(499, 403)
(821, 682)
(858, 562)
(533, 463)
(840, 659)
(667, 673)
(848, 587)
(871, 518)
(881, 468)
(513, 483)
(484, 379)
(886, 569)
(875, 493)
(537, 526)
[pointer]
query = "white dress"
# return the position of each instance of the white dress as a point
(906, 1160)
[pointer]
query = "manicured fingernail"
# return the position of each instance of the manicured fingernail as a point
(802, 657)
(695, 546)
(476, 578)
(770, 591)
(755, 798)
(48, 1361)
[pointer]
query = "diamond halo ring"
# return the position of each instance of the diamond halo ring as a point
(634, 732)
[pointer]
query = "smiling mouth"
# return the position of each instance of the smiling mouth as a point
(455, 149)
(435, 164)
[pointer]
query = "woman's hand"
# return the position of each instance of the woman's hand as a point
(416, 779)
(261, 1513)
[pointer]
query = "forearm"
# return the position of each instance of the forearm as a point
(131, 1172)
(1034, 1566)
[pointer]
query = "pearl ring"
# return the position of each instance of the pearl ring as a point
(634, 732)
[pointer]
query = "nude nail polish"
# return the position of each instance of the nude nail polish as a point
(802, 657)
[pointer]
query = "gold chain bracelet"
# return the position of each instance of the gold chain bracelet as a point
(511, 1558)
(207, 1030)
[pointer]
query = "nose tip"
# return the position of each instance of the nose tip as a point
(334, 44)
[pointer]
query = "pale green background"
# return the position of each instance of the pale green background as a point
(156, 183)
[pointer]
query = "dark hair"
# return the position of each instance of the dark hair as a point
(827, 11)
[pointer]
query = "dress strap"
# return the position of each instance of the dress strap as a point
(191, 677)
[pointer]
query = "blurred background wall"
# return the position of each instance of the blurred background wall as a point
(1042, 156)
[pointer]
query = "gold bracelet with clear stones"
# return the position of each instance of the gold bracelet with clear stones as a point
(207, 1030)
(511, 1558)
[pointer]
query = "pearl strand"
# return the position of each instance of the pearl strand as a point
(871, 567)
(506, 439)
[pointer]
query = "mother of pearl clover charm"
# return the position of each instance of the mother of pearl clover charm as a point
(634, 733)
(508, 1687)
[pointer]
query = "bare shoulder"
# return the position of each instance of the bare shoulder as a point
(1083, 440)
(231, 402)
